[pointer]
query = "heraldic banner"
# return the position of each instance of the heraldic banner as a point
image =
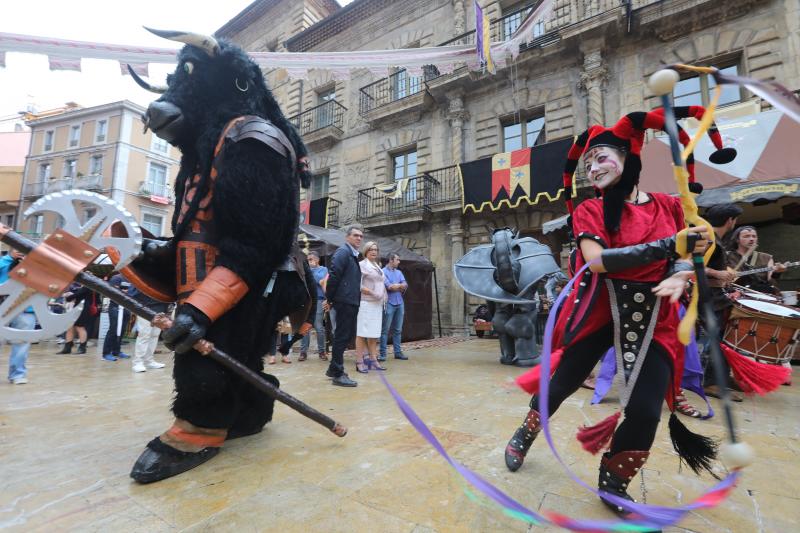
(509, 178)
(315, 212)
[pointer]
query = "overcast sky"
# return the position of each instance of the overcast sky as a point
(27, 79)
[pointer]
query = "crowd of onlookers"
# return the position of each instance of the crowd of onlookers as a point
(359, 303)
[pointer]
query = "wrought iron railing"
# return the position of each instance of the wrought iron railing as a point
(387, 90)
(449, 185)
(150, 188)
(333, 212)
(92, 181)
(326, 114)
(415, 196)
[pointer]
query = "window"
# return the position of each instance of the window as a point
(96, 165)
(157, 180)
(319, 186)
(74, 136)
(523, 134)
(405, 164)
(10, 221)
(48, 140)
(324, 111)
(44, 172)
(69, 168)
(152, 223)
(101, 130)
(159, 145)
(698, 89)
(404, 85)
(37, 224)
(514, 19)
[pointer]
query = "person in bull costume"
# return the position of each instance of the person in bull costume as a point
(626, 299)
(235, 222)
(506, 274)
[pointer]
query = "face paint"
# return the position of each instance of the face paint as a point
(603, 166)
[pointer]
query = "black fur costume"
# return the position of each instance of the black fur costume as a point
(255, 206)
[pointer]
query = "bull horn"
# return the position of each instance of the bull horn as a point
(158, 89)
(204, 42)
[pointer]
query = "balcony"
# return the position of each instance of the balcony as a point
(400, 93)
(322, 125)
(92, 181)
(159, 193)
(377, 208)
(333, 212)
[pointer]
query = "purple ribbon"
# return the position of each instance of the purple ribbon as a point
(649, 516)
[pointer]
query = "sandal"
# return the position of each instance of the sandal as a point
(285, 359)
(271, 360)
(683, 406)
(373, 364)
(362, 367)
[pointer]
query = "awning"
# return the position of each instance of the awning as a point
(555, 224)
(767, 165)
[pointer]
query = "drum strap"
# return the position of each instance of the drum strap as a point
(634, 310)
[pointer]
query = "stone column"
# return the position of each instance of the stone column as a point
(456, 301)
(592, 81)
(457, 116)
(459, 17)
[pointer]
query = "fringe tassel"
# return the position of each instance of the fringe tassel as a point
(752, 376)
(597, 437)
(695, 450)
(529, 381)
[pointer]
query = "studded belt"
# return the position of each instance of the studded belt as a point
(634, 310)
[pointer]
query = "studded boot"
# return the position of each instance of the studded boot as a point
(616, 473)
(521, 441)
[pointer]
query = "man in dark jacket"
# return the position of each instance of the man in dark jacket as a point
(344, 295)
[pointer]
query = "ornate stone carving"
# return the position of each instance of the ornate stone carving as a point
(459, 16)
(592, 80)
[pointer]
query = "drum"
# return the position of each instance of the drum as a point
(765, 331)
(755, 295)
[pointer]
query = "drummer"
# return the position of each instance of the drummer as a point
(722, 218)
(743, 256)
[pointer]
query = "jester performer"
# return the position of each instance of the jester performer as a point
(232, 273)
(626, 299)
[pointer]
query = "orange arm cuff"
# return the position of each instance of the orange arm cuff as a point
(218, 293)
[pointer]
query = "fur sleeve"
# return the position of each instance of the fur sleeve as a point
(256, 210)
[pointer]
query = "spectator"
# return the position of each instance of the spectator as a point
(343, 294)
(117, 319)
(320, 281)
(396, 286)
(147, 334)
(17, 371)
(281, 335)
(86, 319)
(370, 312)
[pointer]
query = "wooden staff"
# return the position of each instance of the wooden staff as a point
(206, 348)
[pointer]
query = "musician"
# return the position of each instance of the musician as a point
(722, 218)
(744, 256)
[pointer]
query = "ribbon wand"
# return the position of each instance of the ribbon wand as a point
(735, 454)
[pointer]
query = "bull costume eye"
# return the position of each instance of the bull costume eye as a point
(188, 67)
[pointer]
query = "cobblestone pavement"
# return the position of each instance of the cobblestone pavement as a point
(70, 436)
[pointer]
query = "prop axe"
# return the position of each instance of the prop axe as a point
(48, 269)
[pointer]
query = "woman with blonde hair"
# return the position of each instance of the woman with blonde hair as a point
(370, 312)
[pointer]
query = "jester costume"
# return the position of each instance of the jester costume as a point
(618, 309)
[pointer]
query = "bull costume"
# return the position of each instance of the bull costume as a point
(626, 299)
(235, 222)
(506, 274)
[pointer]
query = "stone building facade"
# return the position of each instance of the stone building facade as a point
(101, 149)
(588, 64)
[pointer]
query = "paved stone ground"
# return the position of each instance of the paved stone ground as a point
(70, 436)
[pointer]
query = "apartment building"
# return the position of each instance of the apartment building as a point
(588, 64)
(101, 149)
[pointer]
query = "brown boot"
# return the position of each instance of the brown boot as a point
(521, 441)
(616, 473)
